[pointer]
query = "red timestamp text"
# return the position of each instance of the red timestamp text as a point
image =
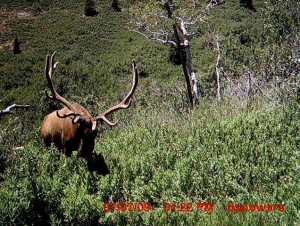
(188, 207)
(243, 208)
(126, 206)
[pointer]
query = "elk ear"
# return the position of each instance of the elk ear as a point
(94, 125)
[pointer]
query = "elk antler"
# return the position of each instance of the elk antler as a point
(125, 103)
(49, 71)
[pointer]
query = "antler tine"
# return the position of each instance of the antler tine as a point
(50, 67)
(125, 103)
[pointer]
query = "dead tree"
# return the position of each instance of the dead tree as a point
(218, 70)
(162, 21)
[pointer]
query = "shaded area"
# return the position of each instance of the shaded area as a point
(96, 163)
(90, 8)
(247, 4)
(115, 6)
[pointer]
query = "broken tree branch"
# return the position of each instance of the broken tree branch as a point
(11, 107)
(156, 36)
(214, 3)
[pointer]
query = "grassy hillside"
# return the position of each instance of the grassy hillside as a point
(235, 151)
(249, 159)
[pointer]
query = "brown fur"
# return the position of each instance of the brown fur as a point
(68, 136)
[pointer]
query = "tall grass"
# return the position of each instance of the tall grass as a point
(221, 153)
(251, 158)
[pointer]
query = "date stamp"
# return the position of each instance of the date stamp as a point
(187, 207)
(126, 207)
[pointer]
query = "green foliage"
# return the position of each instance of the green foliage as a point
(219, 153)
(251, 158)
(282, 19)
(47, 188)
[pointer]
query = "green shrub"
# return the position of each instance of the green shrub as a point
(246, 159)
(219, 153)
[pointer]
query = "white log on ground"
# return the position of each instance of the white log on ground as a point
(11, 107)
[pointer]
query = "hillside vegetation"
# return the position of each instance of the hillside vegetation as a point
(241, 150)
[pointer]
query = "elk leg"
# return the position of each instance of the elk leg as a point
(67, 152)
(67, 149)
(47, 141)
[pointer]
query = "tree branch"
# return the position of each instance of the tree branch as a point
(11, 107)
(214, 3)
(154, 37)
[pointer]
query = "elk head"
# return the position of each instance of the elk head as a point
(72, 127)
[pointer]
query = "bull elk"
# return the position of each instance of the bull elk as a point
(72, 127)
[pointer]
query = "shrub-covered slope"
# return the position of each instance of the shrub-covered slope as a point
(247, 159)
(220, 153)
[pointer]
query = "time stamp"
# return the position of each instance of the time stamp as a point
(186, 207)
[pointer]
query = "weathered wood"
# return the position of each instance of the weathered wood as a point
(184, 67)
(191, 71)
(11, 107)
(218, 73)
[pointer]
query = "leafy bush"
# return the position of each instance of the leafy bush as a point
(220, 153)
(251, 158)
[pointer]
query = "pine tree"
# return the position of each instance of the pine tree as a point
(115, 5)
(89, 9)
(16, 46)
(247, 4)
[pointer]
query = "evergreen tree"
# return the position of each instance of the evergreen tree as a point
(89, 9)
(115, 5)
(16, 46)
(247, 4)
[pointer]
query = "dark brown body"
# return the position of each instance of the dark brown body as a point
(73, 128)
(68, 136)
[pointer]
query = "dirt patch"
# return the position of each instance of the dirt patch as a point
(7, 18)
(6, 45)
(25, 15)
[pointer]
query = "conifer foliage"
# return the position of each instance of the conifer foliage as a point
(90, 8)
(115, 5)
(16, 46)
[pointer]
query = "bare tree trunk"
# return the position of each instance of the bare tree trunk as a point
(191, 72)
(184, 67)
(217, 72)
(195, 87)
(249, 91)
